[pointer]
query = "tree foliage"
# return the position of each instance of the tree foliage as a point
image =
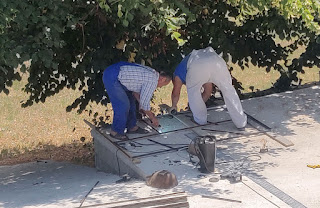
(71, 42)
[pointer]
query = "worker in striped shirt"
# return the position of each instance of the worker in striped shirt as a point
(199, 70)
(126, 82)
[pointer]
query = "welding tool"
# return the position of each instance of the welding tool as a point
(166, 108)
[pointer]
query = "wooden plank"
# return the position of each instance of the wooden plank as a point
(285, 142)
(168, 200)
(173, 205)
(165, 202)
(255, 123)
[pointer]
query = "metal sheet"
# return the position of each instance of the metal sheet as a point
(169, 123)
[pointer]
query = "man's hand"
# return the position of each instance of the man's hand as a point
(152, 117)
(154, 122)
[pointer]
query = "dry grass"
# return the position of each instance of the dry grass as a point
(254, 78)
(42, 131)
(46, 131)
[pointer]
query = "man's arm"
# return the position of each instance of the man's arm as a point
(145, 97)
(150, 115)
(175, 96)
(207, 91)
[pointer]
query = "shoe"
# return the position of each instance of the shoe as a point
(192, 119)
(139, 130)
(241, 129)
(120, 137)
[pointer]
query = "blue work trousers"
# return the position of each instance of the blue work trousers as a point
(122, 100)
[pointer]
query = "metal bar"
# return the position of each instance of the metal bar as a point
(165, 145)
(88, 194)
(90, 124)
(234, 137)
(159, 152)
(220, 198)
(257, 121)
(232, 132)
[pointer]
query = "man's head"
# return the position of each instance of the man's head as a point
(164, 79)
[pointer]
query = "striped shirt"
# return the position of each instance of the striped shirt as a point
(140, 79)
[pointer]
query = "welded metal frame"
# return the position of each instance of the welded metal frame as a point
(157, 133)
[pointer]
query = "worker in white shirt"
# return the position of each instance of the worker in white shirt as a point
(199, 71)
(124, 83)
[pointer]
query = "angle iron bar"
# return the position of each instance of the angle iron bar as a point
(239, 133)
(231, 132)
(220, 198)
(159, 152)
(257, 121)
(88, 193)
(234, 137)
(165, 145)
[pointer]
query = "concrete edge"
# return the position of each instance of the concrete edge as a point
(109, 158)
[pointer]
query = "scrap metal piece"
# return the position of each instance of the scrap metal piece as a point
(220, 198)
(81, 202)
(232, 176)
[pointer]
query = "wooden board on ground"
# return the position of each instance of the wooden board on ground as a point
(285, 142)
(169, 200)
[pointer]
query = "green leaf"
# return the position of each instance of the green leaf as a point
(120, 14)
(125, 23)
(175, 35)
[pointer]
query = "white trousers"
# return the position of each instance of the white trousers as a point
(206, 66)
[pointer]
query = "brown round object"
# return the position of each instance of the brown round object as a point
(162, 179)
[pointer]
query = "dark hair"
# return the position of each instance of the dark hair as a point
(166, 75)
